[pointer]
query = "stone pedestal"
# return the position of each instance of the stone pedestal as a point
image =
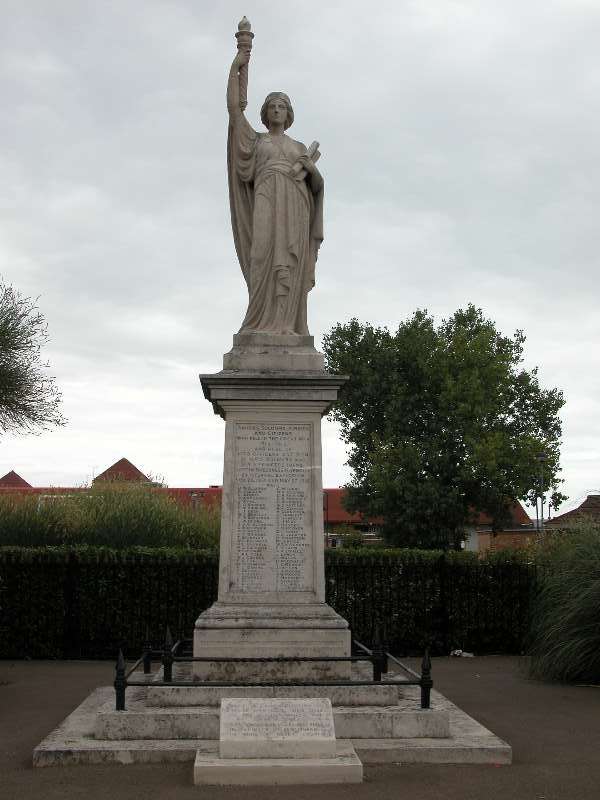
(273, 352)
(271, 599)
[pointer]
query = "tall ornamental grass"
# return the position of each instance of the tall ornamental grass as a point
(565, 622)
(116, 515)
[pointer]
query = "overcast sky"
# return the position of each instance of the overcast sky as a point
(461, 152)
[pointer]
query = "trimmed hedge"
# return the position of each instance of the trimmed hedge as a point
(88, 602)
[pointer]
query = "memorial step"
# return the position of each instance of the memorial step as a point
(202, 722)
(177, 696)
(73, 741)
(344, 767)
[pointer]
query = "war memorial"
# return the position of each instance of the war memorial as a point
(271, 688)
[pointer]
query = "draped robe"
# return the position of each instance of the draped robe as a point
(277, 224)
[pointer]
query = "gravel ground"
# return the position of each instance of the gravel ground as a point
(554, 731)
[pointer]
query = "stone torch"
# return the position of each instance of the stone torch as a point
(244, 38)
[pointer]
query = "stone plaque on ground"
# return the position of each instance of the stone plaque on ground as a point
(268, 728)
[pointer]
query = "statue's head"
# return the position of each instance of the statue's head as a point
(276, 104)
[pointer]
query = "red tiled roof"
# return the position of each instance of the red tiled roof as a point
(43, 490)
(122, 470)
(204, 496)
(518, 516)
(11, 479)
(334, 512)
(591, 506)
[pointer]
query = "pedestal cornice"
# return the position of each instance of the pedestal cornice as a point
(232, 387)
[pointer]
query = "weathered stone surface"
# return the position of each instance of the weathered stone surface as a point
(344, 695)
(210, 696)
(427, 724)
(271, 514)
(344, 767)
(268, 352)
(252, 640)
(404, 719)
(393, 722)
(73, 741)
(277, 728)
(276, 202)
(309, 391)
(272, 508)
(171, 696)
(152, 723)
(271, 600)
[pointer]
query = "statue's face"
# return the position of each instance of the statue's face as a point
(277, 111)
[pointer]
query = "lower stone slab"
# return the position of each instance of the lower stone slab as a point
(344, 767)
(73, 742)
(401, 721)
(187, 696)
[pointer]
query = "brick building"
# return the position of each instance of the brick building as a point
(588, 509)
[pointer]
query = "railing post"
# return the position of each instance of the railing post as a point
(167, 657)
(120, 682)
(147, 653)
(379, 657)
(384, 646)
(426, 683)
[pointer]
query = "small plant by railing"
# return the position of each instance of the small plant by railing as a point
(377, 656)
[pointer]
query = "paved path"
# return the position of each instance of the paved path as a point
(554, 731)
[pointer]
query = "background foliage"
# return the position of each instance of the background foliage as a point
(441, 420)
(566, 608)
(110, 514)
(29, 398)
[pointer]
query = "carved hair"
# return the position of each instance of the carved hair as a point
(277, 96)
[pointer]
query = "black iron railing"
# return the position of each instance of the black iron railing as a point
(378, 657)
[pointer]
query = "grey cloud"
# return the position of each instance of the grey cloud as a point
(460, 151)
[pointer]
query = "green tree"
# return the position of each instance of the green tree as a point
(441, 421)
(29, 398)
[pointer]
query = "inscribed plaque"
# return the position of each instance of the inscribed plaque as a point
(277, 728)
(272, 519)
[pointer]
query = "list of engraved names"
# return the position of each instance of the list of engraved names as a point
(299, 718)
(273, 507)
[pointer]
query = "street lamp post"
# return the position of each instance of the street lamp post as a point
(541, 458)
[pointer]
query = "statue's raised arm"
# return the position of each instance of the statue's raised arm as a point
(233, 85)
(276, 201)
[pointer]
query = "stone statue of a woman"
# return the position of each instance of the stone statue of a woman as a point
(276, 211)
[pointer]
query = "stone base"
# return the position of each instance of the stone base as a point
(212, 770)
(268, 352)
(236, 631)
(197, 722)
(211, 696)
(74, 741)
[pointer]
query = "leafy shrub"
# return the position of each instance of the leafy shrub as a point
(352, 540)
(565, 622)
(116, 515)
